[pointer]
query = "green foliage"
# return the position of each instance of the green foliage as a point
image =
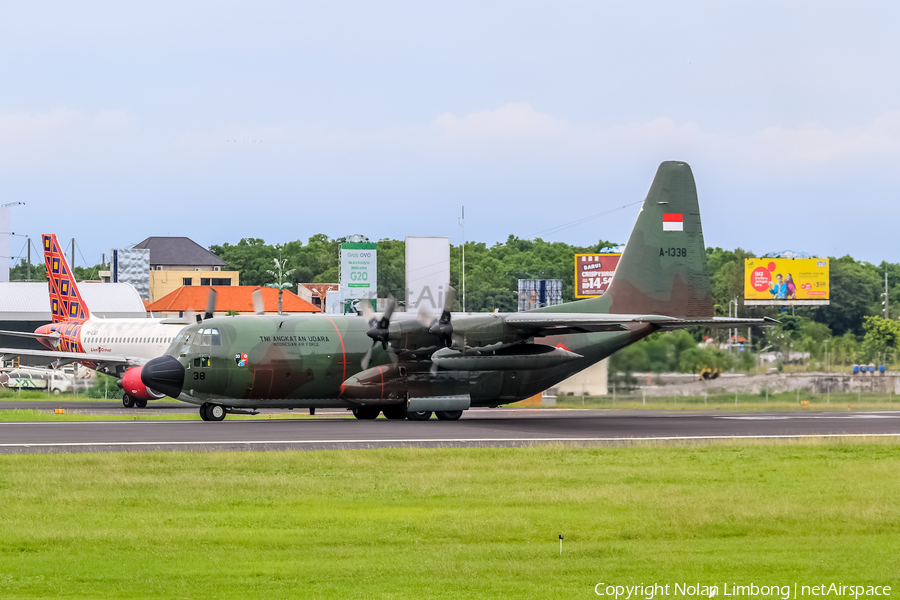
(251, 256)
(696, 359)
(844, 349)
(658, 353)
(392, 268)
(855, 288)
(104, 387)
(881, 338)
(20, 272)
(726, 268)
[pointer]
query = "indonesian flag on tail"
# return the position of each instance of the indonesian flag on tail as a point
(673, 222)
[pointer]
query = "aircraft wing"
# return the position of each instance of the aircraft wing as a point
(542, 324)
(100, 360)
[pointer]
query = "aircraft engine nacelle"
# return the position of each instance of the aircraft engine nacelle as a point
(134, 387)
(515, 358)
(387, 382)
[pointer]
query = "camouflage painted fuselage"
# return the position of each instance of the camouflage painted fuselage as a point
(316, 361)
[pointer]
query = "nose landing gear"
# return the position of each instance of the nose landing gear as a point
(212, 412)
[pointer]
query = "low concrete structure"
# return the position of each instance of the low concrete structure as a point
(593, 381)
(816, 383)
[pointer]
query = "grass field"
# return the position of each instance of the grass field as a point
(39, 395)
(448, 523)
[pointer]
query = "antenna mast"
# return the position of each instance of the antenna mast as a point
(462, 223)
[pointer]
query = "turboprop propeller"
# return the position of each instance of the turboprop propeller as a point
(210, 304)
(259, 306)
(190, 316)
(441, 326)
(379, 329)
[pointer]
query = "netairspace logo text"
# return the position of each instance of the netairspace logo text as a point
(784, 592)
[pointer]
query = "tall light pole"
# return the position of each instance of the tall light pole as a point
(5, 233)
(462, 223)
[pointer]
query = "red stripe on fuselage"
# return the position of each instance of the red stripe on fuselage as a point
(343, 353)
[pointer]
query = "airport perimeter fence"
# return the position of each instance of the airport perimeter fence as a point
(766, 399)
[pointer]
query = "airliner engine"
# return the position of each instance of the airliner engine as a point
(136, 393)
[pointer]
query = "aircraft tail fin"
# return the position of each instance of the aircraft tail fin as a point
(66, 303)
(662, 270)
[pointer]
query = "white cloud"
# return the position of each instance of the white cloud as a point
(811, 144)
(802, 146)
(513, 121)
(31, 138)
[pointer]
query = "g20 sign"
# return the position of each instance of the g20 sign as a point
(359, 270)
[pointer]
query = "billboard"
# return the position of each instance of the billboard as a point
(593, 272)
(786, 281)
(427, 273)
(359, 270)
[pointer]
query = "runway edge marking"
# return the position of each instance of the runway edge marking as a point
(452, 440)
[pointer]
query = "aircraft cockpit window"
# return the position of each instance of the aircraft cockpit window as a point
(208, 337)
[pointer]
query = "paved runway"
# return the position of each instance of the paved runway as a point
(478, 427)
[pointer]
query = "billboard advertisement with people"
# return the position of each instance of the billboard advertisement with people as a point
(786, 281)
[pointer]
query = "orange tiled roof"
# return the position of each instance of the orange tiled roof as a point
(229, 297)
(320, 289)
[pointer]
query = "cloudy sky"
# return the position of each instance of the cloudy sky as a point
(384, 118)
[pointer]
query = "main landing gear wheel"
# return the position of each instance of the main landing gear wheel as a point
(418, 416)
(212, 412)
(449, 415)
(127, 401)
(140, 403)
(394, 412)
(366, 413)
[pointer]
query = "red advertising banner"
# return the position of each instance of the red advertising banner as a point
(593, 272)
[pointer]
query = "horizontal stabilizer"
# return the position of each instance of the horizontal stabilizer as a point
(31, 334)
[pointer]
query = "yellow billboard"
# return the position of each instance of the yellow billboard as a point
(786, 281)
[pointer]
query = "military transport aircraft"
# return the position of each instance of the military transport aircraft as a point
(409, 368)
